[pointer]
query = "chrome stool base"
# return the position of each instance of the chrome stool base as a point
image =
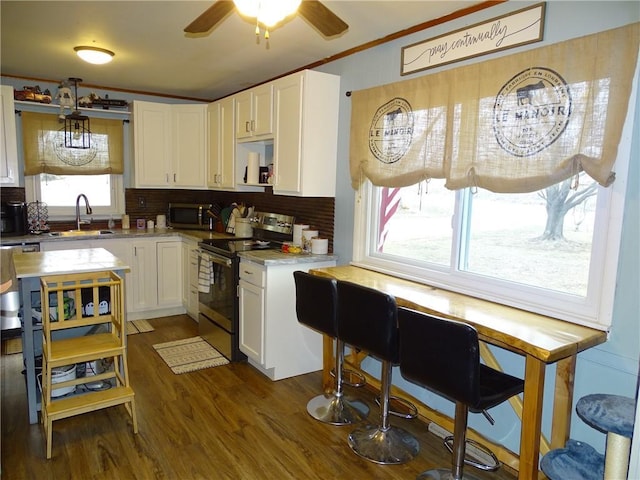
(444, 474)
(388, 447)
(337, 410)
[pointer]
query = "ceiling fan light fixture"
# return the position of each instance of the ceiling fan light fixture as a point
(95, 55)
(267, 12)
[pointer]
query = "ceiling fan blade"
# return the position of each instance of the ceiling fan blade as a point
(211, 17)
(327, 22)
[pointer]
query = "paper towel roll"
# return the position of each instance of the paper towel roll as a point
(253, 167)
(320, 246)
(297, 232)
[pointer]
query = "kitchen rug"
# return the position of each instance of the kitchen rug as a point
(189, 355)
(138, 326)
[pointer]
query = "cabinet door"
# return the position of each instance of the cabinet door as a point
(254, 112)
(189, 153)
(252, 321)
(222, 143)
(169, 275)
(286, 146)
(143, 262)
(214, 175)
(8, 140)
(228, 143)
(152, 144)
(263, 110)
(243, 115)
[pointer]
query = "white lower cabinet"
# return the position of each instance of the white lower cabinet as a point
(153, 287)
(270, 335)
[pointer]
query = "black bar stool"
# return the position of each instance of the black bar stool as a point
(368, 319)
(444, 356)
(316, 303)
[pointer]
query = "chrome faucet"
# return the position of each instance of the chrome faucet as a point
(89, 211)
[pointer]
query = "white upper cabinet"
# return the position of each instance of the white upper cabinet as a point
(254, 113)
(222, 144)
(306, 134)
(189, 124)
(170, 143)
(8, 140)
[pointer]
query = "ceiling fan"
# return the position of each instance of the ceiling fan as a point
(323, 19)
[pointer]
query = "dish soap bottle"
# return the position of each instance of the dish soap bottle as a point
(111, 224)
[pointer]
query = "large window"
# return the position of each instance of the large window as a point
(553, 251)
(105, 193)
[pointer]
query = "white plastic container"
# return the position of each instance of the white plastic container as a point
(243, 228)
(62, 374)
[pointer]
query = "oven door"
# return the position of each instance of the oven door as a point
(217, 301)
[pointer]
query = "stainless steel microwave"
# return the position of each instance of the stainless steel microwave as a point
(191, 216)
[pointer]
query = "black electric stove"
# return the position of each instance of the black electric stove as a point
(230, 247)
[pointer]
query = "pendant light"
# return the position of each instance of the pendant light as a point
(77, 131)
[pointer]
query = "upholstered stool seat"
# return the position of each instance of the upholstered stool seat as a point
(444, 356)
(367, 319)
(316, 303)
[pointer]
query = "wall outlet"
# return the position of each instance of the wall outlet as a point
(142, 202)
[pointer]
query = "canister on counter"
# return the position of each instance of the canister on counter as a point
(125, 222)
(307, 236)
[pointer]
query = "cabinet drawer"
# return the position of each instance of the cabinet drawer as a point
(253, 273)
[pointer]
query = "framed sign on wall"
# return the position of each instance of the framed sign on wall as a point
(500, 33)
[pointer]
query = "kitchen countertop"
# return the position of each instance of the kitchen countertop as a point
(196, 235)
(37, 264)
(272, 257)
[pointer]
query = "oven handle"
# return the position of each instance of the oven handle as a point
(212, 257)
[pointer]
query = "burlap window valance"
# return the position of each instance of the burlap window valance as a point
(518, 123)
(44, 150)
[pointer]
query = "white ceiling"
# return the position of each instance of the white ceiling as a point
(154, 55)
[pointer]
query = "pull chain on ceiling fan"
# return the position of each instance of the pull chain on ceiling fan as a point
(319, 16)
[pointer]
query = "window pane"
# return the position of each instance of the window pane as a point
(418, 224)
(541, 239)
(62, 190)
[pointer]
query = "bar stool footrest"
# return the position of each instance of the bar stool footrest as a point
(411, 410)
(486, 459)
(348, 376)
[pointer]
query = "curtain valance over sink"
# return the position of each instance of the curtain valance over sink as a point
(518, 123)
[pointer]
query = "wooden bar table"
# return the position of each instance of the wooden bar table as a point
(29, 267)
(540, 339)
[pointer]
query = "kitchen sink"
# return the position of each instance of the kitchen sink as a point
(81, 233)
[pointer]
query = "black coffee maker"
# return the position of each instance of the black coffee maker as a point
(13, 216)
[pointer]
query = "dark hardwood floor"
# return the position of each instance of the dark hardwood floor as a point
(227, 422)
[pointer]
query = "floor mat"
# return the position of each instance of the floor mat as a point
(189, 355)
(138, 326)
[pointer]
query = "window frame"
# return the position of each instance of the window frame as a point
(595, 310)
(56, 213)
